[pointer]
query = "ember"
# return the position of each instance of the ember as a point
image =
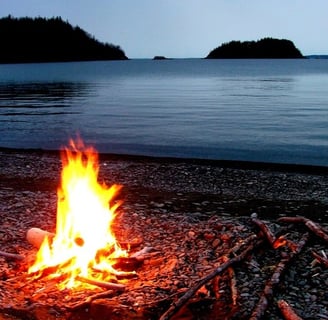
(83, 241)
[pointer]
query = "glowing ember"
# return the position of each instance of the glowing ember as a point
(83, 241)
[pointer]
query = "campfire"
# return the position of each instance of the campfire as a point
(150, 257)
(83, 250)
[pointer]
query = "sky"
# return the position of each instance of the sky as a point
(185, 28)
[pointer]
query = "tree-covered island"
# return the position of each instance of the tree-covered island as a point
(267, 48)
(50, 40)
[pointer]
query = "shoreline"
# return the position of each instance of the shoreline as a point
(182, 185)
(234, 164)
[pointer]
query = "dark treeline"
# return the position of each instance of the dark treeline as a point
(47, 40)
(267, 48)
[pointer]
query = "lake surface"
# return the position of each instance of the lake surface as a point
(253, 110)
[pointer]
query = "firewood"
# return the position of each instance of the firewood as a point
(102, 284)
(35, 236)
(142, 254)
(127, 264)
(11, 256)
(316, 228)
(176, 306)
(267, 294)
(287, 311)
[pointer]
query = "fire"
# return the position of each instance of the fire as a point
(84, 241)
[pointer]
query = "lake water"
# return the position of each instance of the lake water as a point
(254, 110)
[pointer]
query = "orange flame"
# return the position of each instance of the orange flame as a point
(84, 240)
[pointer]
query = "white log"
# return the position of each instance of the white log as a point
(35, 236)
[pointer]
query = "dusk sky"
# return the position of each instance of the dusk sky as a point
(185, 28)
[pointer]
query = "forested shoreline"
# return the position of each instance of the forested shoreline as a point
(50, 40)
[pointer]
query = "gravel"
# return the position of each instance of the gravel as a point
(192, 213)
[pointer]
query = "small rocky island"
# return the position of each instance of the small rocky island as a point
(159, 58)
(26, 40)
(267, 48)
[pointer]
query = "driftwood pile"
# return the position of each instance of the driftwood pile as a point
(214, 295)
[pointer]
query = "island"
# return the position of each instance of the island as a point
(159, 58)
(266, 48)
(25, 40)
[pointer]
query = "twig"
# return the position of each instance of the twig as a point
(176, 306)
(287, 311)
(312, 226)
(12, 256)
(102, 284)
(322, 260)
(267, 294)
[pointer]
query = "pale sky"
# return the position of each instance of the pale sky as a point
(186, 28)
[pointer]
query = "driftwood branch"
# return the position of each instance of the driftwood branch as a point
(11, 256)
(287, 311)
(142, 254)
(267, 294)
(271, 238)
(314, 227)
(176, 306)
(265, 229)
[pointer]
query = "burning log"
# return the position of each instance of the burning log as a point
(267, 294)
(35, 236)
(176, 306)
(287, 311)
(312, 226)
(11, 256)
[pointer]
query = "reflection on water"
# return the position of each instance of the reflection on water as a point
(274, 111)
(39, 114)
(45, 98)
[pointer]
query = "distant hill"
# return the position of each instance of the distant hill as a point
(50, 40)
(267, 48)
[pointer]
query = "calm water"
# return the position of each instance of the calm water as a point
(258, 110)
